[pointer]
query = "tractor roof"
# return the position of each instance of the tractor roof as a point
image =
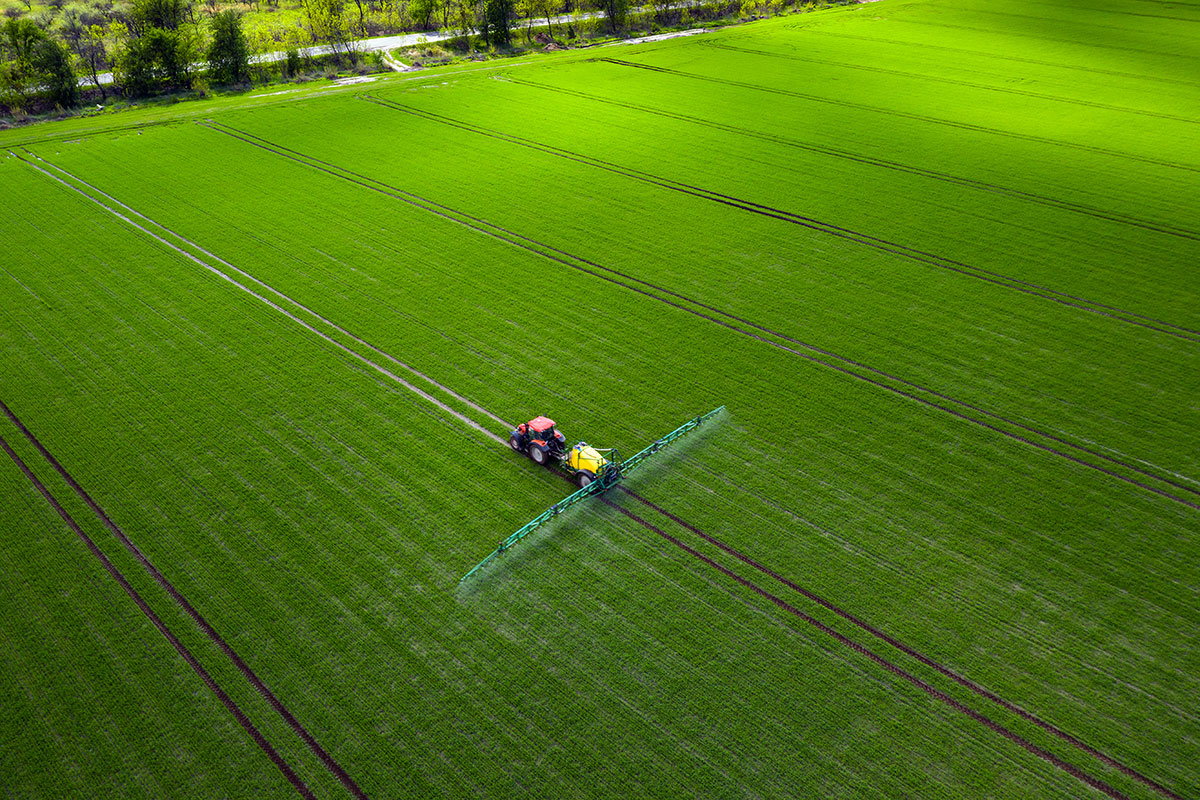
(541, 424)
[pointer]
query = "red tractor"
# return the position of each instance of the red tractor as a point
(539, 440)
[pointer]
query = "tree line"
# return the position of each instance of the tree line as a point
(161, 45)
(154, 45)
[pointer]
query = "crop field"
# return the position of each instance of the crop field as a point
(259, 358)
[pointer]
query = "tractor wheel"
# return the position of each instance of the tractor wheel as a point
(515, 443)
(584, 477)
(538, 455)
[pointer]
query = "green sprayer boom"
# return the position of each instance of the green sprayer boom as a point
(615, 471)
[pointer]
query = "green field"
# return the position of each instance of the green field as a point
(936, 258)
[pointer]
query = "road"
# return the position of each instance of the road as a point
(386, 43)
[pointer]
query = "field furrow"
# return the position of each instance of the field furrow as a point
(261, 355)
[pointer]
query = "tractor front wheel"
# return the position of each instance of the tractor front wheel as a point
(538, 454)
(515, 443)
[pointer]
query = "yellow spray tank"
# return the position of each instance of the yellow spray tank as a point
(586, 463)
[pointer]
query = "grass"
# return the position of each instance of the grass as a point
(975, 465)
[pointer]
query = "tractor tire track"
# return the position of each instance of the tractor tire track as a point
(328, 760)
(1090, 22)
(879, 560)
(179, 646)
(1125, 13)
(907, 389)
(909, 651)
(191, 611)
(820, 149)
(966, 126)
(999, 57)
(891, 667)
(332, 325)
(951, 82)
(876, 243)
(993, 32)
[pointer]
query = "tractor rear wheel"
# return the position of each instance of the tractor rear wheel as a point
(538, 455)
(584, 477)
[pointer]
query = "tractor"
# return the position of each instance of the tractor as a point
(593, 469)
(539, 440)
(546, 445)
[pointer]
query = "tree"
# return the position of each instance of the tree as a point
(165, 15)
(327, 22)
(32, 62)
(52, 65)
(617, 14)
(499, 16)
(422, 12)
(93, 55)
(156, 59)
(362, 20)
(228, 55)
(17, 79)
(527, 11)
(545, 8)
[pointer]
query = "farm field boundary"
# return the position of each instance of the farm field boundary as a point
(141, 603)
(896, 670)
(906, 115)
(493, 416)
(825, 150)
(907, 650)
(899, 386)
(950, 81)
(184, 242)
(328, 760)
(930, 259)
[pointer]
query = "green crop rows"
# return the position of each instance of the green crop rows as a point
(936, 258)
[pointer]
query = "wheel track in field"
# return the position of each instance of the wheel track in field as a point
(951, 594)
(978, 53)
(330, 763)
(328, 760)
(907, 650)
(66, 181)
(892, 641)
(876, 377)
(1076, 42)
(891, 667)
(876, 243)
(1088, 21)
(949, 81)
(966, 126)
(820, 149)
(850, 643)
(1061, 7)
(227, 701)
